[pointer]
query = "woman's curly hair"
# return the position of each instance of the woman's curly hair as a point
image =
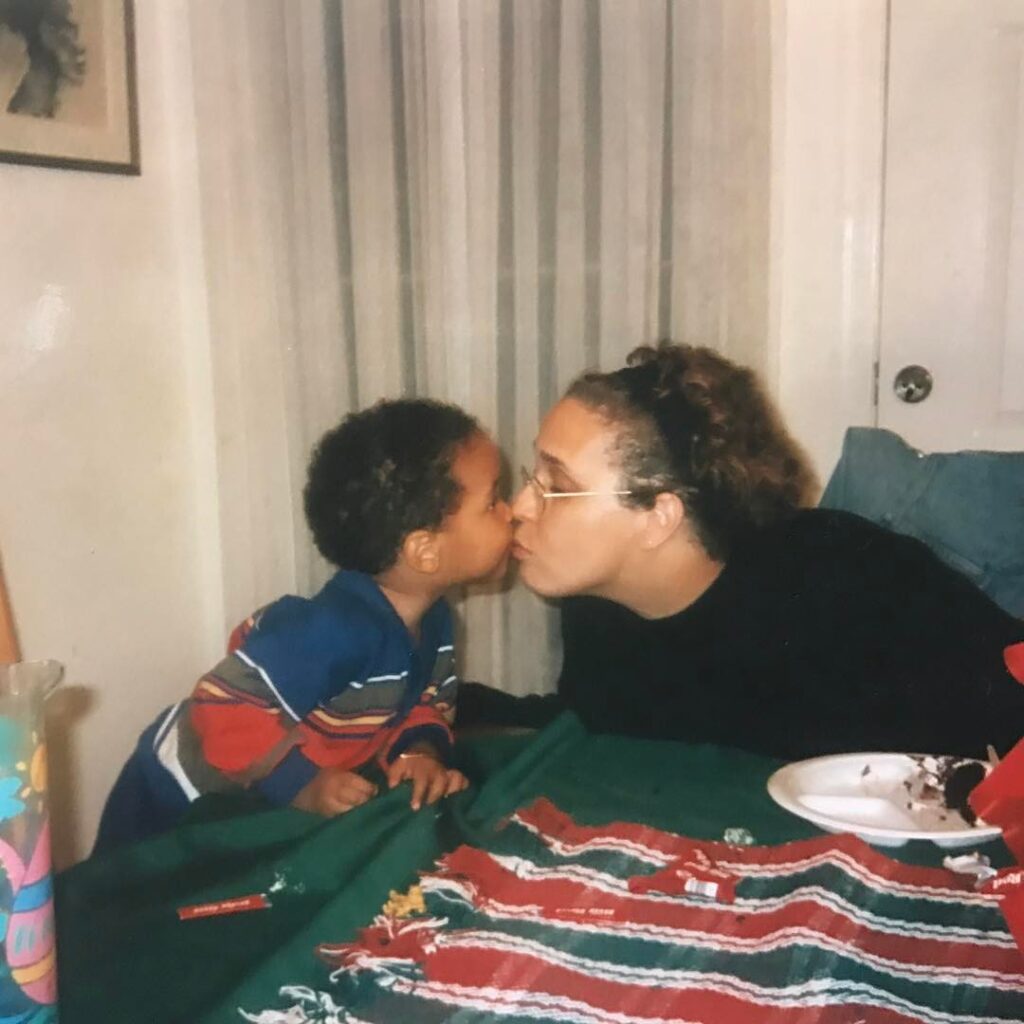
(381, 474)
(697, 425)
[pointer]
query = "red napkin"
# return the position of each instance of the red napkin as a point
(1014, 658)
(999, 799)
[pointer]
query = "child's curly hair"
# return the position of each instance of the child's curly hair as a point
(699, 426)
(381, 474)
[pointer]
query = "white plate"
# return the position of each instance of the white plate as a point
(838, 795)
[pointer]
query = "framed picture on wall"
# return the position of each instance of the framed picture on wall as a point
(67, 84)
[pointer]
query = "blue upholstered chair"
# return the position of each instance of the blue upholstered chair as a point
(968, 506)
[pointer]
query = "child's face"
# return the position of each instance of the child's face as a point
(477, 537)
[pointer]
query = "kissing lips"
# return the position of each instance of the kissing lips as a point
(519, 550)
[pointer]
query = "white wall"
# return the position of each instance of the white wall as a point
(107, 487)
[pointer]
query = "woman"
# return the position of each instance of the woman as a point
(703, 603)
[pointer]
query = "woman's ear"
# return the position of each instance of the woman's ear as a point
(421, 550)
(663, 520)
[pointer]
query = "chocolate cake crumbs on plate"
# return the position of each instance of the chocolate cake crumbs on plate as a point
(945, 781)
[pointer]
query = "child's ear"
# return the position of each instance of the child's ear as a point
(663, 519)
(421, 551)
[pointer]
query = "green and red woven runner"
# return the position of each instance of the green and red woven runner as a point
(627, 924)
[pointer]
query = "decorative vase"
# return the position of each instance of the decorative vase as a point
(28, 966)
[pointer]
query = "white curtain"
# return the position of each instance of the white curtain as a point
(468, 199)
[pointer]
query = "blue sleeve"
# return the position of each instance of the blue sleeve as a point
(282, 785)
(304, 652)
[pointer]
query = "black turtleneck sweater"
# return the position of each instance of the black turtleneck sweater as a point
(822, 634)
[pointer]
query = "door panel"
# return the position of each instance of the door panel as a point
(953, 244)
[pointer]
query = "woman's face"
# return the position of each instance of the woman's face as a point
(574, 545)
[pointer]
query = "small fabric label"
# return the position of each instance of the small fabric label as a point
(237, 905)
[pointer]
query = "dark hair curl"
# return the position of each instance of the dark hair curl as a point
(695, 424)
(381, 474)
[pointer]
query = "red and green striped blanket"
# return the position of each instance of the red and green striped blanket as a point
(627, 924)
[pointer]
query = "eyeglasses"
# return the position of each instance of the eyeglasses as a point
(537, 490)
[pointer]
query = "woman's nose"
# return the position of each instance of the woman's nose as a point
(523, 504)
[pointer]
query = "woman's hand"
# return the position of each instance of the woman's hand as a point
(334, 791)
(430, 779)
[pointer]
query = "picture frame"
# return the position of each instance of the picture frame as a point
(67, 85)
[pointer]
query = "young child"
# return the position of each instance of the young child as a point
(404, 498)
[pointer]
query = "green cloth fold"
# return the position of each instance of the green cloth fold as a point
(124, 956)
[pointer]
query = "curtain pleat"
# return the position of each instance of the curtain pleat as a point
(473, 200)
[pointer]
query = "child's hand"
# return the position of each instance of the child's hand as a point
(334, 791)
(430, 779)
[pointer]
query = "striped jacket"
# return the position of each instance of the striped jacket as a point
(331, 681)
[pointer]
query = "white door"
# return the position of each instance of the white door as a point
(952, 295)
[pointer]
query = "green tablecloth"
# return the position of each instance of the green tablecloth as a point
(124, 955)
